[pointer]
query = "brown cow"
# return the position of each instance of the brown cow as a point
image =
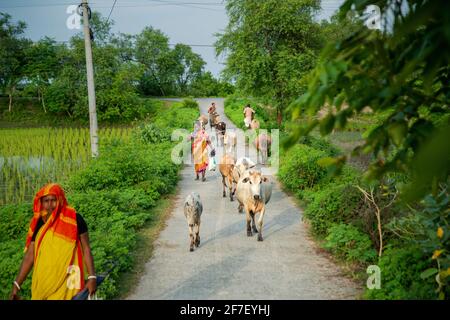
(254, 124)
(213, 119)
(203, 120)
(226, 166)
(262, 143)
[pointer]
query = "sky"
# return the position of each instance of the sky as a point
(192, 22)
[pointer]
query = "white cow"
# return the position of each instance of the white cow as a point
(192, 211)
(242, 165)
(230, 142)
(253, 192)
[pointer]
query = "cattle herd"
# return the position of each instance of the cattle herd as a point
(252, 189)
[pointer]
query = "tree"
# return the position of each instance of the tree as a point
(339, 27)
(401, 71)
(116, 78)
(208, 86)
(188, 68)
(42, 66)
(152, 50)
(12, 55)
(270, 46)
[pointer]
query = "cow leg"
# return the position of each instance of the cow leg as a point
(240, 207)
(253, 223)
(249, 229)
(230, 187)
(223, 186)
(191, 237)
(260, 223)
(197, 235)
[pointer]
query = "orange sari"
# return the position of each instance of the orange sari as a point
(201, 140)
(58, 272)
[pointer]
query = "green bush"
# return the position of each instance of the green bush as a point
(401, 267)
(14, 220)
(177, 117)
(334, 204)
(348, 242)
(320, 144)
(126, 164)
(299, 169)
(11, 253)
(150, 133)
(190, 103)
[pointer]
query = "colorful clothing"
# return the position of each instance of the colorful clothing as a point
(200, 151)
(58, 272)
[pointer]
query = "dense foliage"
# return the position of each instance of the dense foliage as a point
(127, 67)
(115, 193)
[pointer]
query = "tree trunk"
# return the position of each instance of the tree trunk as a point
(279, 117)
(43, 103)
(10, 102)
(41, 98)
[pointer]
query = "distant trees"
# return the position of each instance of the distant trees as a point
(12, 55)
(126, 67)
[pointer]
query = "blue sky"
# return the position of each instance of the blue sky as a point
(192, 22)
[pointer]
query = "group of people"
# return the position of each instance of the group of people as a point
(200, 141)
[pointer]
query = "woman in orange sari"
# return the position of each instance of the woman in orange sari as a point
(200, 141)
(57, 241)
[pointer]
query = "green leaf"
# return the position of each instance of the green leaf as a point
(327, 124)
(327, 161)
(398, 131)
(428, 273)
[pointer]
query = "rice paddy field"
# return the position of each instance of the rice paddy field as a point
(32, 157)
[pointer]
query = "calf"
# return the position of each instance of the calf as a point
(253, 193)
(230, 142)
(262, 143)
(192, 211)
(226, 166)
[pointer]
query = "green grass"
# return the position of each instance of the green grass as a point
(234, 107)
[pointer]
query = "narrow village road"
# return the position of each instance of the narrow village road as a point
(228, 264)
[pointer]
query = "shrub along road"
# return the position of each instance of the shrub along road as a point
(230, 265)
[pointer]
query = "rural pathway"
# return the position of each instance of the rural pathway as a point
(228, 264)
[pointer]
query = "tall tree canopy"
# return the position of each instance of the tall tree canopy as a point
(270, 46)
(402, 71)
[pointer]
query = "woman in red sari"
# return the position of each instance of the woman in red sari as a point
(57, 246)
(200, 141)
